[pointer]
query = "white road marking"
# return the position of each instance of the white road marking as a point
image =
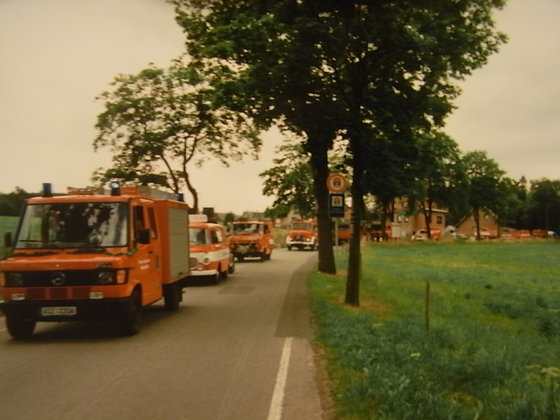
(275, 412)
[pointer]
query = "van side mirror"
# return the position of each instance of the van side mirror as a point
(144, 236)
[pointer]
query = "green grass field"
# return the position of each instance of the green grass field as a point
(488, 349)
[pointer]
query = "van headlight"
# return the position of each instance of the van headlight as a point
(111, 277)
(106, 277)
(13, 279)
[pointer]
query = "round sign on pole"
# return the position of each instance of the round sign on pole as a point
(337, 183)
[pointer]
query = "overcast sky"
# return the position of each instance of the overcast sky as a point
(56, 56)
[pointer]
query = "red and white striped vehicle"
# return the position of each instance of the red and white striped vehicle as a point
(209, 245)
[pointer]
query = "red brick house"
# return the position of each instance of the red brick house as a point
(405, 221)
(488, 226)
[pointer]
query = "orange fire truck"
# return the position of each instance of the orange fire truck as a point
(302, 235)
(252, 238)
(92, 256)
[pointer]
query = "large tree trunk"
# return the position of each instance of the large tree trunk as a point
(318, 145)
(355, 257)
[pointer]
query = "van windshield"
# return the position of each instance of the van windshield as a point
(303, 226)
(73, 225)
(247, 228)
(197, 236)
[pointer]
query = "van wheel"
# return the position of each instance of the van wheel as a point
(172, 295)
(223, 274)
(132, 316)
(19, 327)
(215, 279)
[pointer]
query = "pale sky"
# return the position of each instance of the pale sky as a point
(56, 56)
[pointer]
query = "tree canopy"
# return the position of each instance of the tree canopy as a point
(160, 121)
(369, 71)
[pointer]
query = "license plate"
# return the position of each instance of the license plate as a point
(59, 311)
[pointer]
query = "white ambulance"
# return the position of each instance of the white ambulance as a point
(209, 245)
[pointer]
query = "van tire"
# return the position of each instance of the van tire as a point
(215, 278)
(132, 316)
(19, 327)
(172, 296)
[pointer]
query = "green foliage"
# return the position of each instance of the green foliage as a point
(11, 203)
(543, 205)
(159, 122)
(370, 72)
(491, 352)
(290, 180)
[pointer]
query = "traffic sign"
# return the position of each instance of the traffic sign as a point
(337, 183)
(336, 205)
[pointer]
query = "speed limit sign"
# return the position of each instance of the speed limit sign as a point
(337, 183)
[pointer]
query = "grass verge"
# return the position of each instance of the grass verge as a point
(492, 350)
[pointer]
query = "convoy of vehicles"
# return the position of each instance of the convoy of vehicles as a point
(252, 238)
(92, 256)
(303, 235)
(209, 245)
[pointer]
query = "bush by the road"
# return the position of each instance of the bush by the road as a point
(487, 349)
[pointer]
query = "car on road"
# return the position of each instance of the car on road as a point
(302, 235)
(252, 238)
(422, 235)
(209, 245)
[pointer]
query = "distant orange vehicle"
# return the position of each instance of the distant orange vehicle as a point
(344, 233)
(209, 245)
(91, 256)
(422, 235)
(303, 235)
(252, 238)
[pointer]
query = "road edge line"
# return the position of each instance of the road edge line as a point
(275, 411)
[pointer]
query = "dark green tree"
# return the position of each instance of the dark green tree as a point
(278, 211)
(12, 203)
(486, 185)
(510, 209)
(543, 205)
(365, 70)
(159, 122)
(270, 51)
(290, 180)
(439, 175)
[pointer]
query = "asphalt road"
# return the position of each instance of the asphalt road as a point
(236, 350)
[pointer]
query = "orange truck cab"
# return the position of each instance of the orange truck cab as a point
(92, 255)
(303, 235)
(209, 245)
(344, 233)
(252, 238)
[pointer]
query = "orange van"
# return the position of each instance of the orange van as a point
(252, 238)
(92, 255)
(303, 235)
(209, 245)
